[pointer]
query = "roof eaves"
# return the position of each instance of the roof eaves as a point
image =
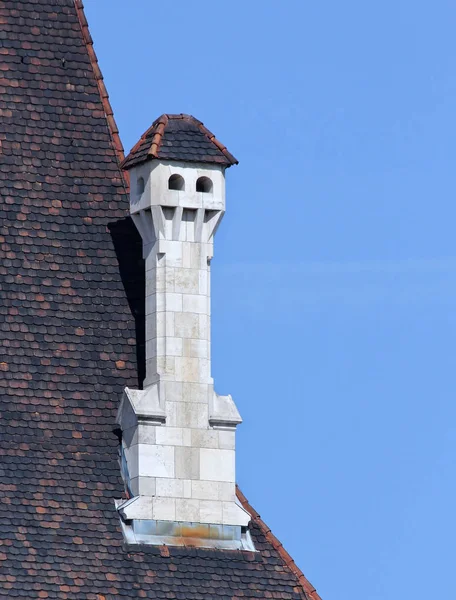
(209, 134)
(155, 144)
(112, 125)
(307, 587)
(159, 127)
(220, 146)
(139, 143)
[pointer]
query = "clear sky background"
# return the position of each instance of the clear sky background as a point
(334, 277)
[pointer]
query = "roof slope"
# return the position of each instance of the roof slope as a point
(179, 137)
(71, 330)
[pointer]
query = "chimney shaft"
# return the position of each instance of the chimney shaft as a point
(177, 230)
(178, 448)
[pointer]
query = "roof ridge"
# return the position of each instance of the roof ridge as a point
(161, 124)
(308, 588)
(104, 96)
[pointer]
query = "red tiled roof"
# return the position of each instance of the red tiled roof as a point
(72, 337)
(100, 82)
(179, 137)
(277, 545)
(112, 125)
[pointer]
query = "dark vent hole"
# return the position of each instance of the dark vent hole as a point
(204, 184)
(140, 186)
(176, 182)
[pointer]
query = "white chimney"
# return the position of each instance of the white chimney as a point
(178, 435)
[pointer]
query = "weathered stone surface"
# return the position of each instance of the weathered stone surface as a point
(194, 442)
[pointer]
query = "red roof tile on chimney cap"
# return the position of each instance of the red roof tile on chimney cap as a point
(179, 137)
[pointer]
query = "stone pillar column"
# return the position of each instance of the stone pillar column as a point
(178, 297)
(179, 435)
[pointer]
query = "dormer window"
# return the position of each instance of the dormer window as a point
(204, 184)
(140, 186)
(176, 182)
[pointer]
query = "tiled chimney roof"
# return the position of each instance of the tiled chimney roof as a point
(180, 138)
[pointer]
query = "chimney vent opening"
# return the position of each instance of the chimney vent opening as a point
(176, 182)
(140, 186)
(204, 184)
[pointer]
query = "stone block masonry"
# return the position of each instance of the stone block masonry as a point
(178, 444)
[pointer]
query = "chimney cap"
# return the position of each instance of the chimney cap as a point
(181, 138)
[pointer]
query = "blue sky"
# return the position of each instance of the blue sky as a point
(334, 277)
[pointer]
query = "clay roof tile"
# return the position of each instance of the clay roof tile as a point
(179, 137)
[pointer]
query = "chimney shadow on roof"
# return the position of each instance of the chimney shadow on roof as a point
(128, 247)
